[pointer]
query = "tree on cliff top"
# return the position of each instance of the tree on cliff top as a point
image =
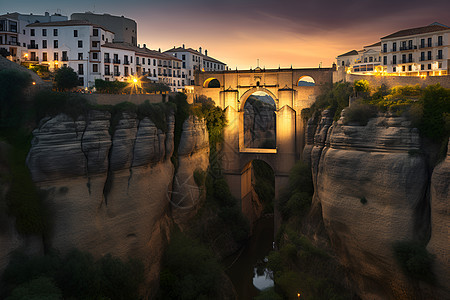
(66, 78)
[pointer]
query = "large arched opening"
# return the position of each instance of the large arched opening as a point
(211, 83)
(259, 121)
(306, 81)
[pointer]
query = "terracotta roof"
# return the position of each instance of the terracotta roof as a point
(373, 45)
(350, 53)
(190, 50)
(68, 23)
(418, 30)
(140, 51)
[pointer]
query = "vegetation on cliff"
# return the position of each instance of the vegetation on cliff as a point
(76, 275)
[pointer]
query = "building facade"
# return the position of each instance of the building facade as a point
(193, 60)
(13, 32)
(75, 44)
(125, 29)
(421, 51)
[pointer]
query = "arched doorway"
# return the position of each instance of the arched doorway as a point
(259, 128)
(211, 83)
(306, 81)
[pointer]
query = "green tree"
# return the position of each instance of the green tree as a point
(12, 86)
(66, 78)
(362, 86)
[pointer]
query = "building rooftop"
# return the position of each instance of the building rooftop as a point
(350, 53)
(419, 30)
(190, 50)
(140, 51)
(68, 23)
(377, 44)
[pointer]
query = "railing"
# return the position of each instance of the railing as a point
(10, 43)
(116, 61)
(126, 62)
(80, 72)
(439, 57)
(408, 48)
(116, 73)
(107, 60)
(406, 61)
(35, 46)
(107, 73)
(65, 59)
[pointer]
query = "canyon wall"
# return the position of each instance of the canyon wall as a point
(110, 189)
(372, 185)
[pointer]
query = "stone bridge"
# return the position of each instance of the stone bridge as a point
(231, 89)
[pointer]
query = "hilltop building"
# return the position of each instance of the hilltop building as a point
(193, 60)
(125, 29)
(421, 51)
(13, 33)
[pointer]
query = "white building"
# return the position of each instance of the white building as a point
(76, 44)
(417, 51)
(193, 60)
(13, 32)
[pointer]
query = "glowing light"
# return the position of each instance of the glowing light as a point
(298, 295)
(26, 54)
(34, 83)
(135, 84)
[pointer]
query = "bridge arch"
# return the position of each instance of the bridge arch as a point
(251, 91)
(211, 82)
(306, 80)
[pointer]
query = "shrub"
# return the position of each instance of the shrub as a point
(37, 289)
(189, 270)
(268, 294)
(156, 87)
(436, 108)
(415, 261)
(66, 78)
(362, 86)
(359, 113)
(333, 97)
(110, 87)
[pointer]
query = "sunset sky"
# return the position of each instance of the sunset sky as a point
(278, 33)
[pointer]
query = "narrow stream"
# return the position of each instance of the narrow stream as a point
(246, 268)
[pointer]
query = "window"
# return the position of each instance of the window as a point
(55, 56)
(394, 69)
(125, 71)
(94, 44)
(429, 55)
(190, 70)
(95, 68)
(394, 46)
(44, 44)
(80, 56)
(75, 33)
(81, 81)
(107, 72)
(103, 37)
(80, 44)
(95, 32)
(154, 62)
(95, 55)
(403, 68)
(429, 66)
(137, 60)
(403, 45)
(440, 65)
(32, 32)
(410, 46)
(409, 68)
(131, 58)
(370, 60)
(149, 61)
(116, 71)
(394, 59)
(154, 72)
(55, 44)
(64, 56)
(80, 69)
(55, 32)
(193, 58)
(44, 56)
(422, 56)
(365, 60)
(403, 58)
(184, 64)
(429, 42)
(439, 56)
(44, 32)
(422, 43)
(410, 57)
(439, 40)
(422, 67)
(183, 57)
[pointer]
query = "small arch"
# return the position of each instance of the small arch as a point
(251, 91)
(306, 81)
(211, 83)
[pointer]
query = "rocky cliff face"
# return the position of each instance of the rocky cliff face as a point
(112, 194)
(259, 124)
(371, 183)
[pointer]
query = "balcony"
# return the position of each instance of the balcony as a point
(439, 57)
(107, 60)
(116, 61)
(10, 43)
(65, 59)
(107, 73)
(126, 62)
(80, 72)
(406, 61)
(33, 46)
(408, 48)
(116, 73)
